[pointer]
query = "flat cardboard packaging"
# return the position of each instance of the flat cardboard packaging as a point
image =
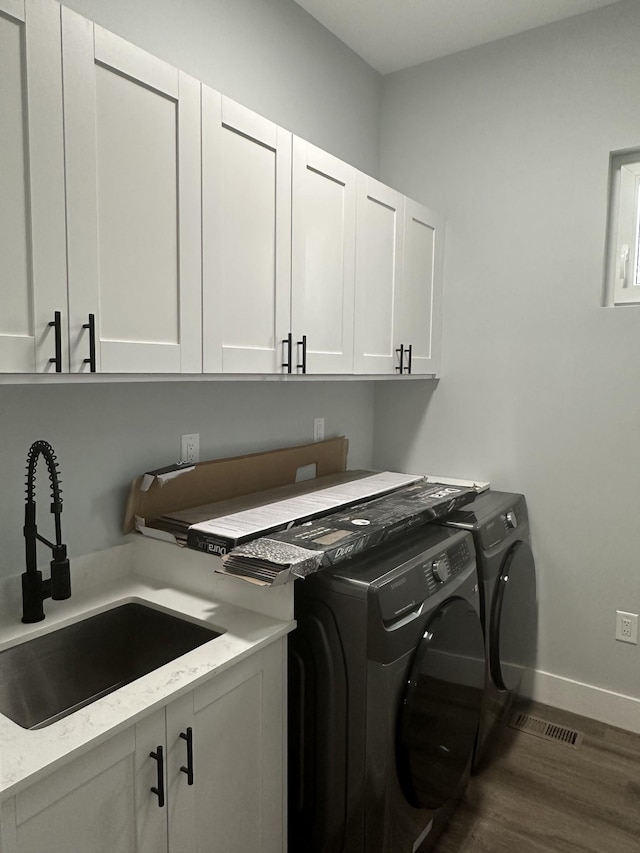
(179, 487)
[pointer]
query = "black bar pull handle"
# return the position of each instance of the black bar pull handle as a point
(303, 344)
(408, 351)
(56, 323)
(287, 342)
(159, 789)
(400, 366)
(188, 769)
(91, 325)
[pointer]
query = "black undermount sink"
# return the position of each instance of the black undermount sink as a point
(49, 677)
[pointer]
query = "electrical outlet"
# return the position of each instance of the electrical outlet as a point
(190, 447)
(318, 429)
(627, 627)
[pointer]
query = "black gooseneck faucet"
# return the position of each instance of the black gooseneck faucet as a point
(58, 586)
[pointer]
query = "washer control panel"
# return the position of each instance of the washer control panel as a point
(447, 564)
(405, 588)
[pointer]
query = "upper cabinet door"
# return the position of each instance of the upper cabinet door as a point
(422, 271)
(322, 261)
(132, 134)
(379, 233)
(33, 275)
(246, 251)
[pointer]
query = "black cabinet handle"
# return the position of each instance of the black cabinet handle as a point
(188, 736)
(57, 359)
(287, 342)
(303, 343)
(159, 789)
(400, 351)
(91, 325)
(408, 352)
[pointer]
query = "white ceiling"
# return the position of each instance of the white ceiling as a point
(395, 34)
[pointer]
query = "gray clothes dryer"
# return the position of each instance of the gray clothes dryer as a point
(386, 679)
(499, 523)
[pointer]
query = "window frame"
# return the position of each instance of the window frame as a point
(623, 231)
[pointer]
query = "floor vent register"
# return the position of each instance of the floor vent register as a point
(545, 729)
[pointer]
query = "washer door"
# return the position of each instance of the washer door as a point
(513, 625)
(440, 710)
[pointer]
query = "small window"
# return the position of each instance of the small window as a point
(623, 243)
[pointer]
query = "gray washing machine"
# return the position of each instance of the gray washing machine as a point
(386, 681)
(499, 523)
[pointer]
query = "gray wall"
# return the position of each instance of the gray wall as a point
(105, 435)
(541, 385)
(273, 57)
(270, 55)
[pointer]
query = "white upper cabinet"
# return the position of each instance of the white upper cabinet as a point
(421, 302)
(398, 283)
(322, 261)
(132, 153)
(380, 229)
(33, 287)
(246, 250)
(151, 225)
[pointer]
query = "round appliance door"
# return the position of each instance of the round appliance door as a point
(440, 710)
(513, 625)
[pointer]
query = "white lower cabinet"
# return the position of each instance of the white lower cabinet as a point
(86, 805)
(236, 802)
(103, 802)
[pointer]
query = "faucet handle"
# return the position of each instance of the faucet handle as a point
(32, 606)
(60, 574)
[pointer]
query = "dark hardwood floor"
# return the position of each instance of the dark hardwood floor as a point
(535, 795)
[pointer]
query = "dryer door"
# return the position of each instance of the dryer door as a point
(513, 624)
(440, 710)
(317, 728)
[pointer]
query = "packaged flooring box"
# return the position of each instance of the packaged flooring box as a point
(218, 535)
(158, 499)
(303, 549)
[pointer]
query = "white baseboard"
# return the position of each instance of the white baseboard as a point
(615, 709)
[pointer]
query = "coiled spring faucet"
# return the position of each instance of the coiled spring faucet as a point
(58, 586)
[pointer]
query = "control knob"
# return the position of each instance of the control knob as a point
(440, 570)
(511, 520)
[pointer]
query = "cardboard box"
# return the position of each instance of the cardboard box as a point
(304, 549)
(179, 487)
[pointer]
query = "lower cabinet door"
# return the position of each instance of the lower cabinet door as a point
(87, 805)
(151, 801)
(236, 723)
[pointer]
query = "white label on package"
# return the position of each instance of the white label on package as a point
(251, 521)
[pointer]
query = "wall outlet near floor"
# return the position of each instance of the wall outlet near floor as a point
(318, 429)
(626, 627)
(190, 447)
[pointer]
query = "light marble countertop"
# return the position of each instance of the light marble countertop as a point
(26, 756)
